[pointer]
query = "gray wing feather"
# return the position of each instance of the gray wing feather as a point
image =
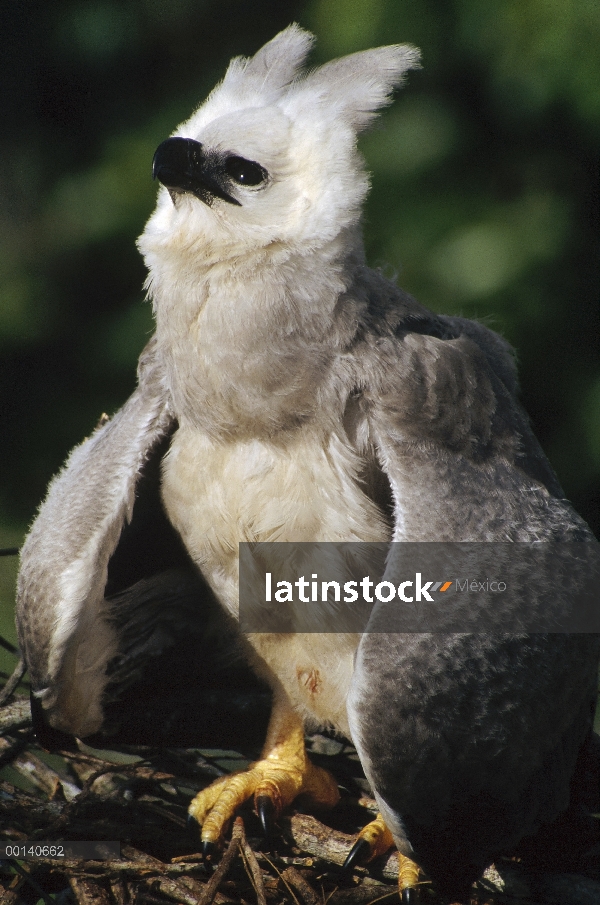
(61, 615)
(469, 741)
(457, 447)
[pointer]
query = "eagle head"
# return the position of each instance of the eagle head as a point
(269, 160)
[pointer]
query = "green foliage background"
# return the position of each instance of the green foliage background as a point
(484, 200)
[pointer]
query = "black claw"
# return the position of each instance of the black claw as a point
(265, 808)
(358, 854)
(192, 823)
(208, 850)
(410, 896)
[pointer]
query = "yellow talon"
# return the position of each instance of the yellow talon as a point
(283, 772)
(378, 837)
(215, 806)
(408, 873)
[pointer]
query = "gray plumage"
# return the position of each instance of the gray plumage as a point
(64, 629)
(313, 400)
(119, 631)
(481, 738)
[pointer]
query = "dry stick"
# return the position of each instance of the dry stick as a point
(181, 894)
(185, 890)
(114, 870)
(16, 715)
(173, 890)
(226, 861)
(10, 894)
(253, 869)
(86, 791)
(362, 895)
(88, 892)
(295, 879)
(164, 812)
(18, 673)
(392, 894)
(311, 836)
(286, 860)
(11, 747)
(283, 880)
(44, 777)
(29, 879)
(153, 900)
(117, 888)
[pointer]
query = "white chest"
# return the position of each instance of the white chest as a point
(307, 489)
(218, 494)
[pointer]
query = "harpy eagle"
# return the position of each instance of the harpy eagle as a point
(309, 399)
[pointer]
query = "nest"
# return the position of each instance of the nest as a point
(137, 794)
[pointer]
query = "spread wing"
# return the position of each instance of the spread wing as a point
(64, 633)
(469, 740)
(454, 442)
(120, 632)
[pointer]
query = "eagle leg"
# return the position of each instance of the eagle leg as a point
(282, 773)
(374, 840)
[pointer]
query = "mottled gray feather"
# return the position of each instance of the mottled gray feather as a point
(61, 616)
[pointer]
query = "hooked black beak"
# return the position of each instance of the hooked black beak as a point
(181, 165)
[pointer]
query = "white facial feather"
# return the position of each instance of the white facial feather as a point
(257, 81)
(302, 130)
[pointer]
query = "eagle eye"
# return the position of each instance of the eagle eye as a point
(246, 172)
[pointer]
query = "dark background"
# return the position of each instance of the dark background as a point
(484, 200)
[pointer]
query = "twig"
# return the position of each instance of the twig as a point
(79, 757)
(10, 748)
(10, 686)
(29, 879)
(15, 715)
(153, 900)
(362, 895)
(295, 879)
(283, 880)
(253, 870)
(172, 890)
(86, 792)
(226, 862)
(313, 837)
(10, 895)
(286, 860)
(117, 888)
(163, 812)
(88, 892)
(42, 776)
(187, 895)
(130, 869)
(8, 646)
